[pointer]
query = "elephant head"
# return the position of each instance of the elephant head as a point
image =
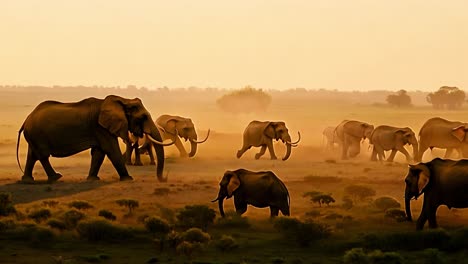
(416, 181)
(185, 128)
(227, 187)
(279, 131)
(460, 133)
(120, 116)
(409, 137)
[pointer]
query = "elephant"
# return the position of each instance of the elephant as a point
(385, 138)
(262, 133)
(63, 129)
(440, 133)
(330, 135)
(349, 134)
(443, 182)
(260, 189)
(170, 127)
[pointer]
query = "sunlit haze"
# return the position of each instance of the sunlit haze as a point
(332, 44)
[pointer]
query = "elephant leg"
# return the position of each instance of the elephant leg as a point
(241, 206)
(423, 216)
(405, 152)
(431, 214)
(271, 150)
(274, 211)
(374, 154)
(242, 151)
(344, 151)
(180, 147)
(137, 155)
(112, 150)
(392, 155)
(285, 210)
(97, 157)
(422, 149)
(128, 153)
(262, 151)
(51, 174)
(30, 161)
(150, 153)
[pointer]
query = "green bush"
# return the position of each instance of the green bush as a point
(226, 243)
(397, 214)
(433, 256)
(302, 232)
(385, 203)
(195, 235)
(107, 215)
(57, 224)
(34, 234)
(80, 205)
(232, 220)
(200, 216)
(459, 239)
(413, 240)
(6, 204)
(157, 226)
(102, 230)
(129, 203)
(40, 215)
(359, 256)
(355, 256)
(246, 100)
(72, 217)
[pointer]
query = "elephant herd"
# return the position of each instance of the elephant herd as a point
(435, 133)
(63, 129)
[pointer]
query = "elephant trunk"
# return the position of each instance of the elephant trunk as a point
(193, 149)
(221, 207)
(408, 204)
(416, 152)
(288, 151)
(159, 154)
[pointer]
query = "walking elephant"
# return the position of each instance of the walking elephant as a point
(260, 189)
(262, 133)
(443, 182)
(440, 133)
(385, 138)
(349, 134)
(330, 136)
(62, 129)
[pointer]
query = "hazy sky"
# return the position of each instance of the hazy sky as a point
(334, 44)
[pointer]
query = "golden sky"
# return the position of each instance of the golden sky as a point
(333, 44)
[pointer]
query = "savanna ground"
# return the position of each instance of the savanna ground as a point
(195, 181)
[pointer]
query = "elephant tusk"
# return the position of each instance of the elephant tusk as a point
(294, 144)
(161, 143)
(202, 141)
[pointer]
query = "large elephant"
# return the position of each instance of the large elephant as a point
(385, 138)
(185, 128)
(262, 133)
(443, 182)
(440, 133)
(63, 129)
(260, 189)
(349, 135)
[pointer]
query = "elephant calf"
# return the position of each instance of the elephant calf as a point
(260, 189)
(349, 134)
(392, 138)
(443, 182)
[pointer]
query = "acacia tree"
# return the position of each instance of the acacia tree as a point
(446, 96)
(401, 99)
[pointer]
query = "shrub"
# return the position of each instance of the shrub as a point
(173, 239)
(226, 243)
(6, 224)
(40, 215)
(80, 205)
(355, 256)
(187, 248)
(233, 220)
(245, 100)
(359, 192)
(359, 256)
(167, 214)
(196, 216)
(397, 214)
(459, 239)
(36, 235)
(157, 226)
(433, 256)
(72, 217)
(414, 240)
(129, 203)
(161, 191)
(333, 216)
(107, 215)
(385, 203)
(195, 235)
(57, 224)
(102, 230)
(302, 232)
(50, 203)
(323, 198)
(6, 204)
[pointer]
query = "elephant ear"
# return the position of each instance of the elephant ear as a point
(233, 184)
(173, 124)
(112, 116)
(459, 132)
(424, 175)
(270, 130)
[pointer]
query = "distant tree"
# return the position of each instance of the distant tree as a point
(401, 99)
(359, 192)
(448, 97)
(246, 100)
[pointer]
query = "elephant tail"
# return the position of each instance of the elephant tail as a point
(17, 147)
